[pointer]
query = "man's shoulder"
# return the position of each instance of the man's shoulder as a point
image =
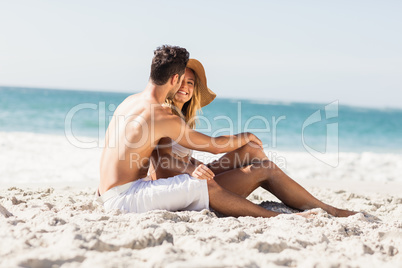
(132, 98)
(135, 105)
(164, 114)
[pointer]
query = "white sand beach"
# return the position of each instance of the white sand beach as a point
(48, 217)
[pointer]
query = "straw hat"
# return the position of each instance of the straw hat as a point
(207, 95)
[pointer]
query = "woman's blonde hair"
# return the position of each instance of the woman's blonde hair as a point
(190, 109)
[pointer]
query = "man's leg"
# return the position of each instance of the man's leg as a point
(238, 158)
(245, 180)
(232, 204)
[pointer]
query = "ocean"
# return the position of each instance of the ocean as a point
(280, 126)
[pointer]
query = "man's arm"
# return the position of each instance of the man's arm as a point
(170, 166)
(196, 162)
(176, 129)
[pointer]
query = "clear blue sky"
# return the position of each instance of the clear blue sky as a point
(307, 51)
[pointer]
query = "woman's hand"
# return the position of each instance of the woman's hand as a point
(202, 172)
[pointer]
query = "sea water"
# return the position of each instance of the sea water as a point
(280, 126)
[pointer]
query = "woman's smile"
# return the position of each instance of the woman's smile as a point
(182, 92)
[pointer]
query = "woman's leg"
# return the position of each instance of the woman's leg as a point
(243, 181)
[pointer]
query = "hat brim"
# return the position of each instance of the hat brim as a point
(207, 95)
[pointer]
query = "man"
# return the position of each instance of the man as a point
(138, 124)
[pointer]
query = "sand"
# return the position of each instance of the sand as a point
(48, 217)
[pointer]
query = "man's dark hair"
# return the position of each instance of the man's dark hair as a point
(168, 61)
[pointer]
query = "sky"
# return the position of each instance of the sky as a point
(287, 51)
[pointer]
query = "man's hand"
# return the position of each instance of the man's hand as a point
(203, 173)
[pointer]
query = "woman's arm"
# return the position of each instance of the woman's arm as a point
(176, 129)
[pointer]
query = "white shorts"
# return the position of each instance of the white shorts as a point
(181, 192)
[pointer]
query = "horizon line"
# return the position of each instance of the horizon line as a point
(262, 101)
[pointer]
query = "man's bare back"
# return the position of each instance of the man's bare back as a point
(130, 139)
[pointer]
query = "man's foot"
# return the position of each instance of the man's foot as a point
(343, 213)
(332, 211)
(308, 214)
(340, 212)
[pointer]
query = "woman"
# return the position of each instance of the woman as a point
(240, 171)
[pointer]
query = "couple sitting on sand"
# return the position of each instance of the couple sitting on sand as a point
(147, 165)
